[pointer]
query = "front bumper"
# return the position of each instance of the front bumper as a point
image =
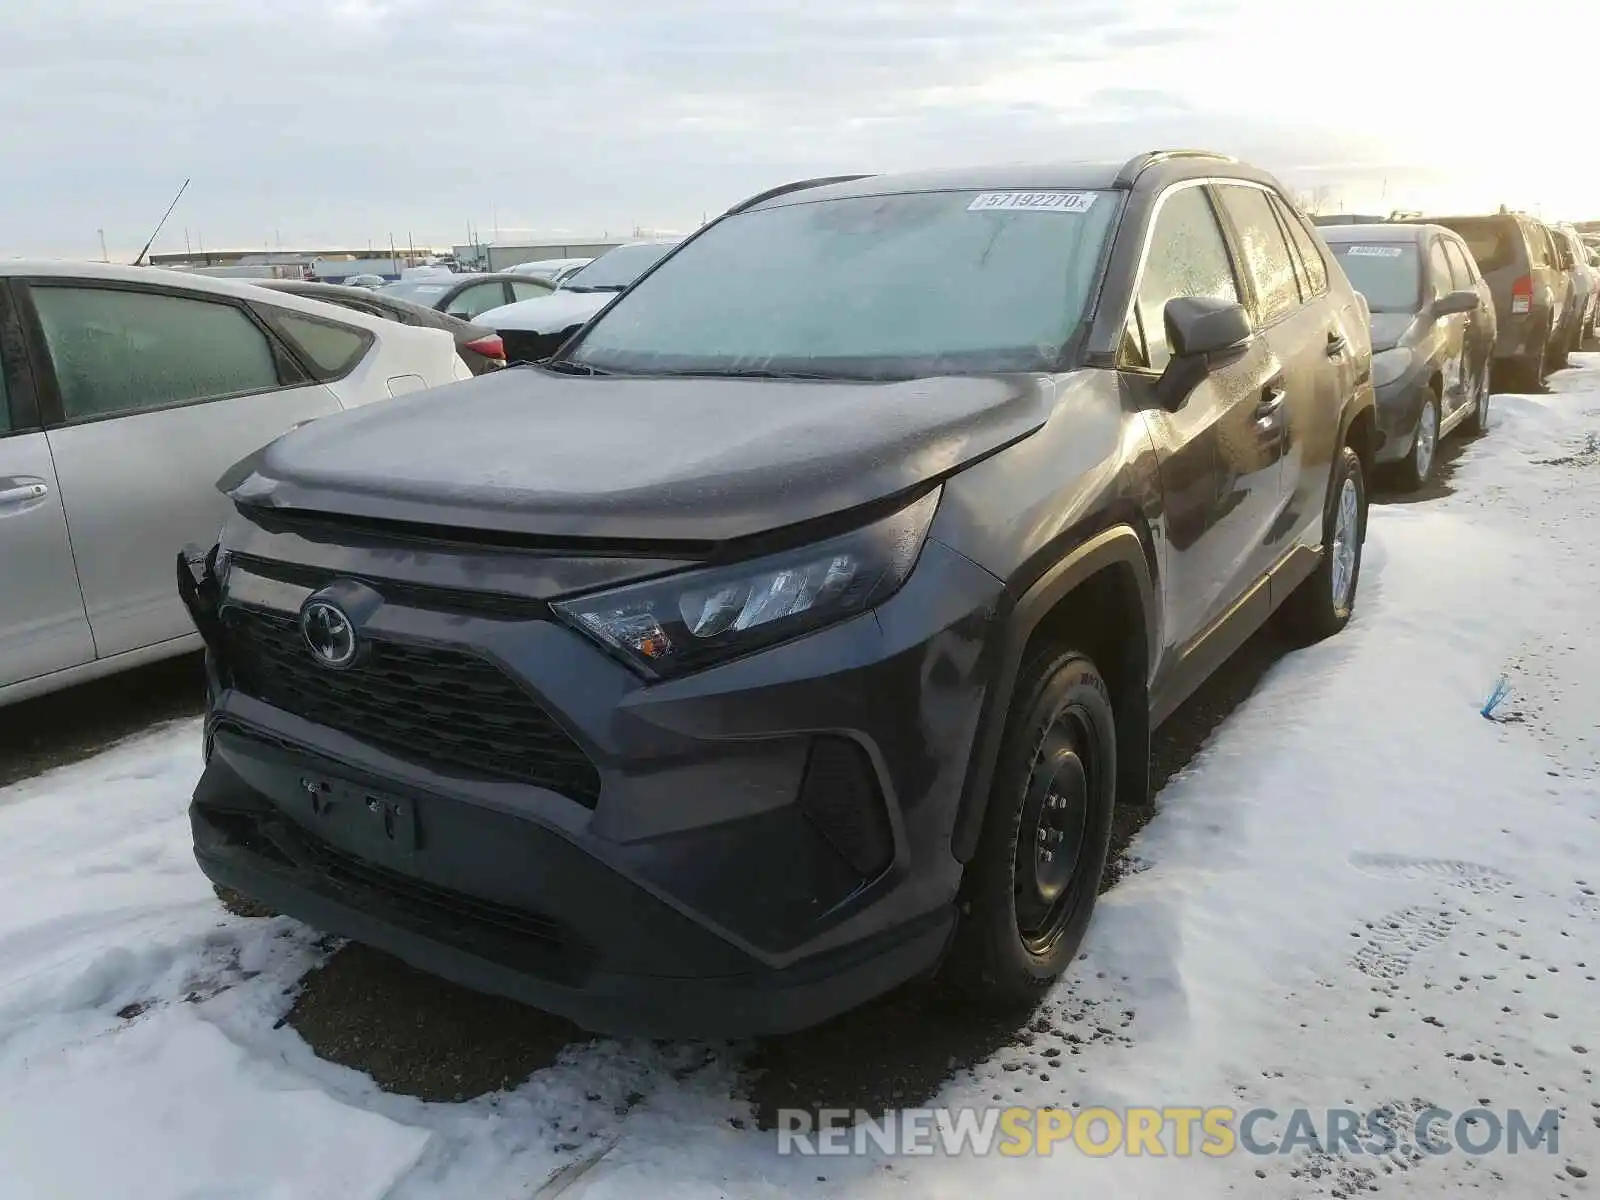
(765, 844)
(1399, 404)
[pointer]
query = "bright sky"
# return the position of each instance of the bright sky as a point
(351, 121)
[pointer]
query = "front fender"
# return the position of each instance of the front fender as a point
(1119, 545)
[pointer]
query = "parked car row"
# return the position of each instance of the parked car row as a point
(794, 626)
(1542, 279)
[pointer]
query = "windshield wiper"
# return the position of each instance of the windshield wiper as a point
(756, 374)
(567, 367)
(594, 287)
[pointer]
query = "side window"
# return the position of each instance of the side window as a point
(1265, 253)
(120, 351)
(1462, 276)
(1316, 272)
(1438, 269)
(331, 350)
(523, 290)
(1186, 257)
(479, 298)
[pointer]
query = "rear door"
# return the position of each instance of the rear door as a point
(1314, 425)
(1480, 323)
(1299, 334)
(1439, 282)
(1218, 484)
(43, 626)
(149, 394)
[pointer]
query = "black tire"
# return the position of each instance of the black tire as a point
(1529, 372)
(1024, 911)
(1311, 612)
(1556, 353)
(1411, 472)
(239, 904)
(1477, 424)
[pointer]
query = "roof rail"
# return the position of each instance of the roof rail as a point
(798, 186)
(1139, 162)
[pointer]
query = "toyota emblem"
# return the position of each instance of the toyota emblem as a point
(329, 634)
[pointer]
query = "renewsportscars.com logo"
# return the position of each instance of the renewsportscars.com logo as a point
(1168, 1131)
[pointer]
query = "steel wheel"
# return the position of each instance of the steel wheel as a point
(1047, 881)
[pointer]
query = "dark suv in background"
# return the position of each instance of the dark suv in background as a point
(1532, 292)
(795, 630)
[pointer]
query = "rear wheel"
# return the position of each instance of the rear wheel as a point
(1321, 606)
(1030, 889)
(1417, 467)
(1478, 423)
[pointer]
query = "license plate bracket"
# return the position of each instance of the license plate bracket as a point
(367, 823)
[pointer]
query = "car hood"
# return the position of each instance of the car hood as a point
(530, 452)
(546, 314)
(1388, 328)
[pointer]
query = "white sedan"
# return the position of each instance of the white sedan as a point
(534, 329)
(125, 392)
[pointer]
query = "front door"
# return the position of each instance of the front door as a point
(43, 628)
(1219, 474)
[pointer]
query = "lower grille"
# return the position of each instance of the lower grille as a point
(442, 707)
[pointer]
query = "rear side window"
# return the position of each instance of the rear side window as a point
(1316, 273)
(1187, 257)
(477, 299)
(521, 289)
(330, 350)
(1265, 252)
(1492, 240)
(120, 351)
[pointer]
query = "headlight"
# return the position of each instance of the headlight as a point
(1389, 366)
(668, 626)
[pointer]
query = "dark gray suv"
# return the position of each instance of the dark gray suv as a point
(794, 631)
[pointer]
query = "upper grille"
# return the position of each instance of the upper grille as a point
(439, 706)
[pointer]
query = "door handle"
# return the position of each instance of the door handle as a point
(1336, 344)
(1272, 397)
(28, 491)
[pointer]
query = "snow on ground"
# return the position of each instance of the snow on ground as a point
(1362, 892)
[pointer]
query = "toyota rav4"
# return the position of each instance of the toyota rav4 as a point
(793, 631)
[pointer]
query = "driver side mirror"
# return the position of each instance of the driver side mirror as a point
(1203, 333)
(1456, 302)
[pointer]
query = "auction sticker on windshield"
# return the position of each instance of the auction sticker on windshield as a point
(1375, 251)
(1068, 202)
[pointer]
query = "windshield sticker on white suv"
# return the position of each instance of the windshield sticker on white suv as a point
(1063, 202)
(1375, 251)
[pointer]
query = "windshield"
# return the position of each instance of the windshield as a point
(1385, 273)
(895, 286)
(616, 269)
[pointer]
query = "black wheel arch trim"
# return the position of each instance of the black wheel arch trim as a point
(1119, 545)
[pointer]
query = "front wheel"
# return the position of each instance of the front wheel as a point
(1321, 606)
(1030, 889)
(1417, 467)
